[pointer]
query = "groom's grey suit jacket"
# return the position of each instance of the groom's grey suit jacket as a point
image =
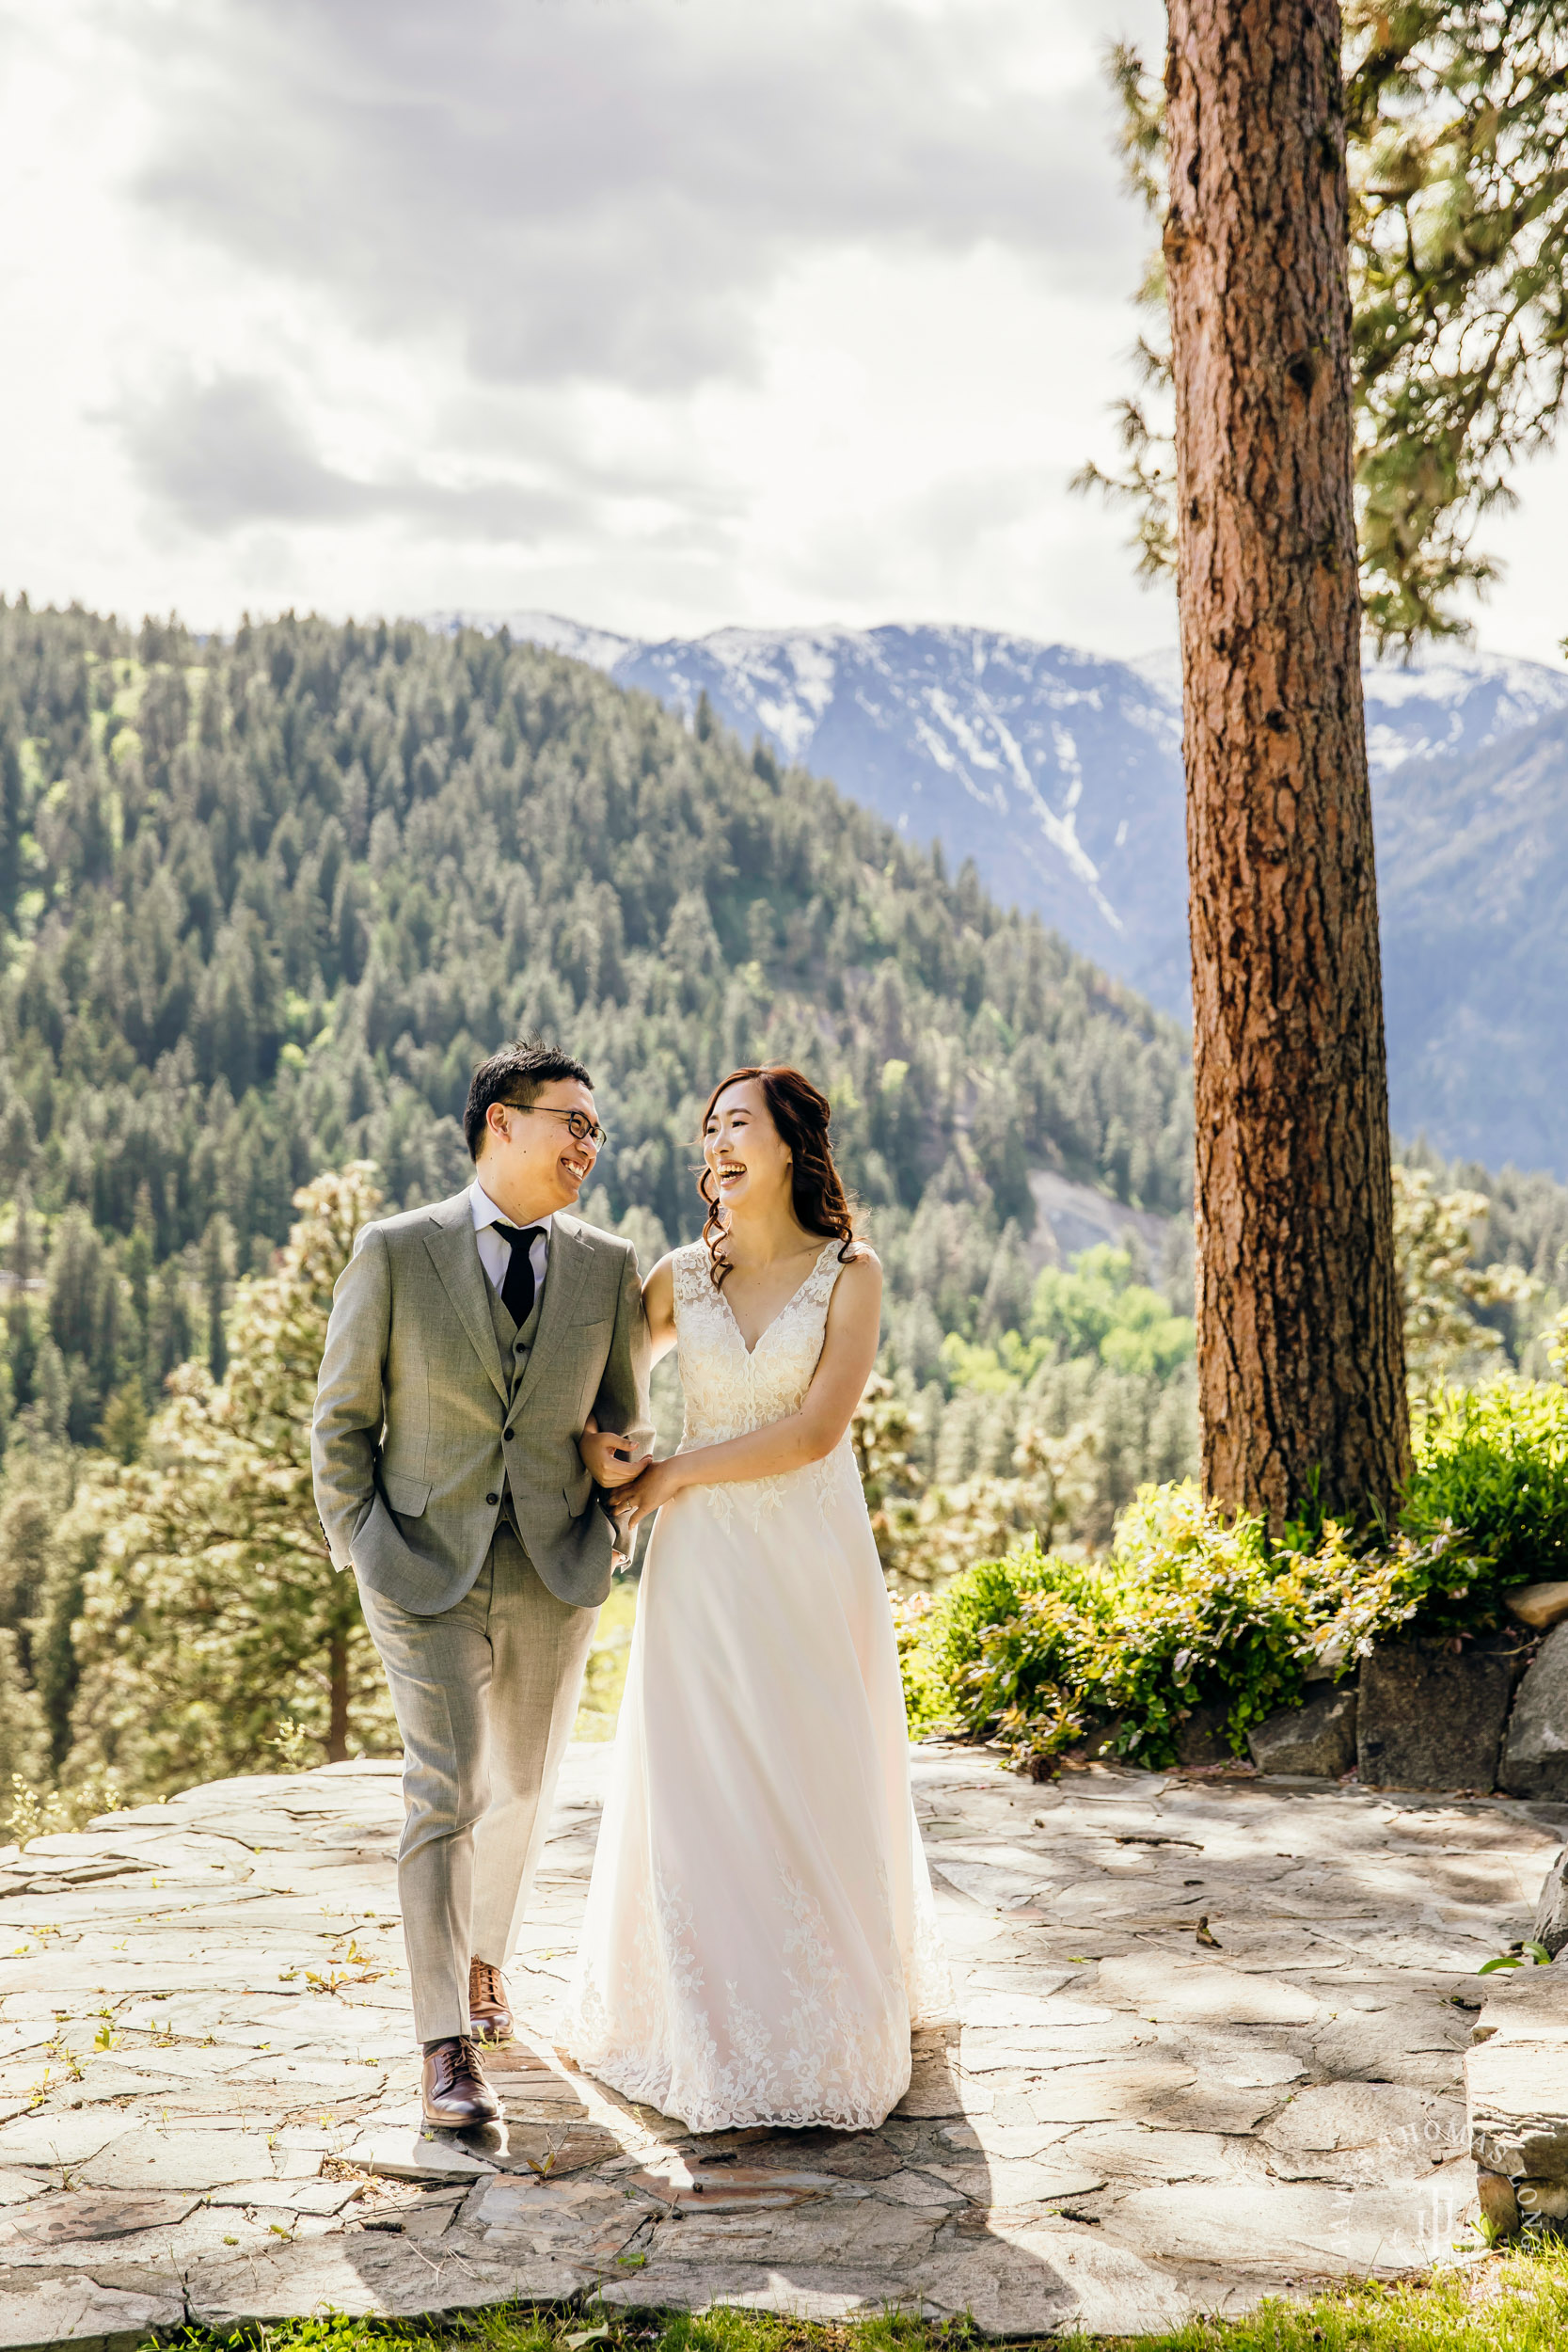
(419, 1427)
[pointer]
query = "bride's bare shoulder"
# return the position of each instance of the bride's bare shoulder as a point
(859, 1275)
(659, 1302)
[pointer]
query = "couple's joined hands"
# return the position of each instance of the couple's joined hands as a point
(613, 1461)
(638, 1484)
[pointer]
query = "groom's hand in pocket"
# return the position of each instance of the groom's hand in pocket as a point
(611, 1461)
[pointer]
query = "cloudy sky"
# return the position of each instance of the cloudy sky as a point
(659, 313)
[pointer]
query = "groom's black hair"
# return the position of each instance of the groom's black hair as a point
(514, 1074)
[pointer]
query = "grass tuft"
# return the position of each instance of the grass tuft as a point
(1514, 2300)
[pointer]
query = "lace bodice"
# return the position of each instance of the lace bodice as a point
(728, 1391)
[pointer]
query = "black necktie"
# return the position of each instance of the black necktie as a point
(517, 1283)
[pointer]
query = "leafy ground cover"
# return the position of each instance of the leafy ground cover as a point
(1509, 2302)
(1189, 1611)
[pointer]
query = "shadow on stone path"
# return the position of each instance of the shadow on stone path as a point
(207, 2084)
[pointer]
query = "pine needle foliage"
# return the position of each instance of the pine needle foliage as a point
(1456, 126)
(1434, 1238)
(213, 1610)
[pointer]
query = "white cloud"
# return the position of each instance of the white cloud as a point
(662, 313)
(604, 188)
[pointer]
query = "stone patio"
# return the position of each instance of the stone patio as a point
(1210, 2047)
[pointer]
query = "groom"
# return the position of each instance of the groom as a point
(468, 1345)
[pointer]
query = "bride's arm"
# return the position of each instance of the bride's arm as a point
(842, 1369)
(658, 1305)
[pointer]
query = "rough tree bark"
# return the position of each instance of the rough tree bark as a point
(1301, 1354)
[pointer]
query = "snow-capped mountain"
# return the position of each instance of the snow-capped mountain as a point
(1473, 890)
(1059, 773)
(1439, 704)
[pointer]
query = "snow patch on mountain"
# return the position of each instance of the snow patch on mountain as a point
(1059, 774)
(1048, 766)
(1447, 702)
(601, 648)
(1437, 703)
(1057, 771)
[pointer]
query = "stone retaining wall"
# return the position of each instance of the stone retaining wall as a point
(1486, 1714)
(1516, 2099)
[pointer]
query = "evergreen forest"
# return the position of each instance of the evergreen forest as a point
(265, 902)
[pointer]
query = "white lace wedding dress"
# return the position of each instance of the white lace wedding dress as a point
(760, 1933)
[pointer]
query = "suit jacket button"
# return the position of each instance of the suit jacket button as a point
(491, 1498)
(506, 1437)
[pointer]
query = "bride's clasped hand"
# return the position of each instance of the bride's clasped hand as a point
(760, 1934)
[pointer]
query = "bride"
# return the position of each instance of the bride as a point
(760, 1934)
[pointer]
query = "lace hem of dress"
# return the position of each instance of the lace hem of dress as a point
(648, 2077)
(649, 2085)
(822, 2060)
(928, 1979)
(679, 2072)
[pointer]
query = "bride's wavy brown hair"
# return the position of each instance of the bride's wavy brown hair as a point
(800, 1112)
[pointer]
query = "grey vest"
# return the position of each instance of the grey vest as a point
(516, 1345)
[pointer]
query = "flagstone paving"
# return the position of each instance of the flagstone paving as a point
(1208, 2047)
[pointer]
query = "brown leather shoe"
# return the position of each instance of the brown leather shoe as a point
(456, 2095)
(489, 2003)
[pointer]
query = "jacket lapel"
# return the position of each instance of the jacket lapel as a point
(450, 1239)
(570, 1257)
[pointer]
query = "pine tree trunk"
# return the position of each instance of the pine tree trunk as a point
(1300, 1353)
(336, 1725)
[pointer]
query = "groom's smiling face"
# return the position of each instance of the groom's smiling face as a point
(531, 1164)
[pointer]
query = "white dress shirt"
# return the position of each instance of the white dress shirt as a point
(495, 1250)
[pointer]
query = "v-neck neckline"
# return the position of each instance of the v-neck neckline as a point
(789, 1302)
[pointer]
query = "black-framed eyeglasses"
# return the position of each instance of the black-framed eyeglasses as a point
(583, 1129)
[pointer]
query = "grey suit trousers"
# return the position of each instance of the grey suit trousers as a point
(486, 1695)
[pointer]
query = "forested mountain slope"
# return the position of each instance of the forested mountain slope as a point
(1060, 774)
(265, 903)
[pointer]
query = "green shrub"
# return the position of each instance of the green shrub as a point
(1495, 1460)
(1188, 1610)
(1192, 1611)
(1025, 1672)
(1208, 1614)
(938, 1641)
(983, 1596)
